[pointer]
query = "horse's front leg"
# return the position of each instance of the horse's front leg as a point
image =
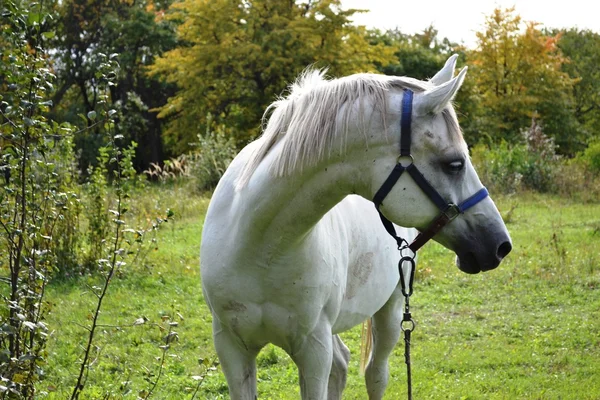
(238, 363)
(313, 357)
(385, 331)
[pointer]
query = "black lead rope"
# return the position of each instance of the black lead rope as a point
(448, 212)
(408, 324)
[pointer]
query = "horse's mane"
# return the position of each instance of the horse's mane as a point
(307, 119)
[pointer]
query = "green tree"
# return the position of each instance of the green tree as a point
(518, 77)
(419, 56)
(236, 57)
(138, 32)
(583, 51)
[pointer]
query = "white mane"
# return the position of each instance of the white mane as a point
(307, 118)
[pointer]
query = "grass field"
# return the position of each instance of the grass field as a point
(527, 330)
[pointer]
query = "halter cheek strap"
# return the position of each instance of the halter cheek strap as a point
(448, 211)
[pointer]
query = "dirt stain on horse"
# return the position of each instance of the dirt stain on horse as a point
(234, 306)
(359, 274)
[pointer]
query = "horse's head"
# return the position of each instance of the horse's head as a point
(478, 236)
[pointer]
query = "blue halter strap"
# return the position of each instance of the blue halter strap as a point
(448, 211)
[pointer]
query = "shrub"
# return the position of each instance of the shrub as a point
(509, 168)
(574, 180)
(590, 157)
(495, 167)
(203, 167)
(214, 151)
(534, 165)
(39, 204)
(59, 171)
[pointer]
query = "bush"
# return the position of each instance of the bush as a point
(204, 166)
(208, 163)
(39, 205)
(530, 165)
(497, 167)
(171, 170)
(579, 178)
(590, 158)
(509, 169)
(574, 180)
(533, 165)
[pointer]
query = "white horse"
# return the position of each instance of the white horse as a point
(293, 250)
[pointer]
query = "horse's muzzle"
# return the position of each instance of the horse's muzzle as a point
(470, 263)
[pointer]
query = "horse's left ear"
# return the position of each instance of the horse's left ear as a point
(434, 100)
(446, 73)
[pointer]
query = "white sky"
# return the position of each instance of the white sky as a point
(458, 20)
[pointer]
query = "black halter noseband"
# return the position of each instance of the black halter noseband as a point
(448, 211)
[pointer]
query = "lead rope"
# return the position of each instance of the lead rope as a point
(408, 324)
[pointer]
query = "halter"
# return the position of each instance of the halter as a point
(448, 212)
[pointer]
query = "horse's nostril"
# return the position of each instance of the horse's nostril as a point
(503, 250)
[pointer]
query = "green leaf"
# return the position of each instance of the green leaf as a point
(91, 115)
(34, 18)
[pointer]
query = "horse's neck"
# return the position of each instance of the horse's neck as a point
(282, 210)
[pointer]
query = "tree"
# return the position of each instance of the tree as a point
(583, 51)
(419, 56)
(237, 57)
(518, 76)
(137, 32)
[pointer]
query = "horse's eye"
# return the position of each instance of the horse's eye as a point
(455, 167)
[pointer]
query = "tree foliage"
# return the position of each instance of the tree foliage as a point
(220, 63)
(419, 56)
(583, 51)
(518, 76)
(137, 31)
(238, 56)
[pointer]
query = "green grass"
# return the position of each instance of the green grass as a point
(527, 330)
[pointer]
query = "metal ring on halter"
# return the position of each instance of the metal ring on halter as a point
(403, 246)
(409, 157)
(408, 325)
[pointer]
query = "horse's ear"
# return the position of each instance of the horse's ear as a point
(434, 100)
(446, 73)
